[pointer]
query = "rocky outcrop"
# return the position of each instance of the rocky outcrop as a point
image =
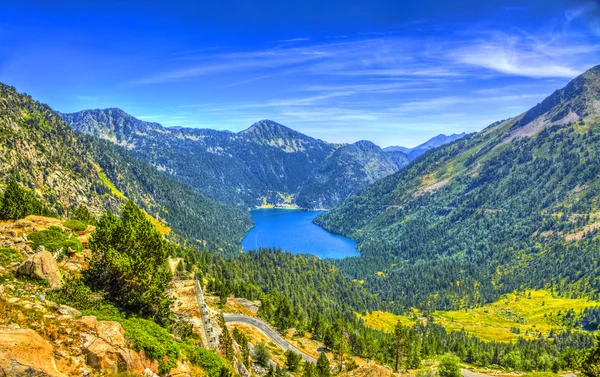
(24, 353)
(42, 266)
(106, 349)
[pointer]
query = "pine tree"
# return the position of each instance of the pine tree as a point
(18, 202)
(591, 365)
(308, 369)
(82, 213)
(323, 366)
(226, 342)
(399, 345)
(129, 263)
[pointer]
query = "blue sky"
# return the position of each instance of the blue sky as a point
(394, 72)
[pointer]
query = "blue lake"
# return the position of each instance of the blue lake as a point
(293, 230)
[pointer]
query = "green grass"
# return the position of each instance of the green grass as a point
(384, 321)
(530, 312)
(8, 256)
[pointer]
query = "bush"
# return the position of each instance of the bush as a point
(450, 366)
(208, 360)
(54, 239)
(156, 341)
(426, 373)
(540, 374)
(261, 354)
(75, 225)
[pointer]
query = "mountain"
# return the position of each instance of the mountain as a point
(514, 206)
(66, 169)
(432, 143)
(267, 163)
(349, 168)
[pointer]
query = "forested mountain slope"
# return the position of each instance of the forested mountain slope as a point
(66, 170)
(267, 162)
(513, 206)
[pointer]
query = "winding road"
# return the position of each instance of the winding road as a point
(268, 331)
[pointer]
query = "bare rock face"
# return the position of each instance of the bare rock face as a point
(24, 353)
(42, 266)
(106, 349)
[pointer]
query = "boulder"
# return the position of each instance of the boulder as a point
(24, 353)
(69, 311)
(106, 349)
(42, 266)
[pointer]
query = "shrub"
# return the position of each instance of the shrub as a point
(426, 373)
(208, 360)
(261, 354)
(75, 225)
(450, 366)
(54, 239)
(156, 341)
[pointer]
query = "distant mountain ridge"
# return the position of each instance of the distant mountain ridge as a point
(265, 164)
(434, 142)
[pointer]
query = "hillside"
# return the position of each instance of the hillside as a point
(514, 206)
(434, 142)
(266, 163)
(67, 170)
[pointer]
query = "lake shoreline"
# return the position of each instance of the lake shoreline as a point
(293, 230)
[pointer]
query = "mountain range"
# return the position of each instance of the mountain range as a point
(266, 164)
(514, 206)
(432, 143)
(66, 169)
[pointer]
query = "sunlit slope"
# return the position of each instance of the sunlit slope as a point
(511, 207)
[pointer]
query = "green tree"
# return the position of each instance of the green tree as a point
(399, 345)
(590, 367)
(129, 263)
(292, 360)
(83, 214)
(261, 354)
(308, 369)
(511, 360)
(323, 366)
(18, 202)
(226, 342)
(340, 349)
(449, 366)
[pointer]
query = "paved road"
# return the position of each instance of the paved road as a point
(268, 331)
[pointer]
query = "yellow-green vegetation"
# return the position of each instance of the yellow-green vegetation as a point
(159, 225)
(514, 315)
(113, 189)
(8, 256)
(75, 225)
(385, 321)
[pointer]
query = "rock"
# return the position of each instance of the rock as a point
(69, 311)
(181, 370)
(25, 353)
(42, 266)
(149, 373)
(106, 349)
